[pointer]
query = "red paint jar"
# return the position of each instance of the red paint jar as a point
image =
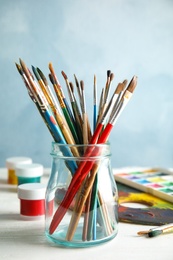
(32, 200)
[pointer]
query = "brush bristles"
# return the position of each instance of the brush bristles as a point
(155, 233)
(71, 87)
(50, 66)
(53, 73)
(64, 75)
(76, 81)
(52, 79)
(82, 84)
(27, 72)
(95, 80)
(141, 233)
(120, 88)
(42, 76)
(132, 85)
(111, 77)
(108, 73)
(35, 73)
(19, 68)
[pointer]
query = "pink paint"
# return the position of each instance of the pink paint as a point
(154, 185)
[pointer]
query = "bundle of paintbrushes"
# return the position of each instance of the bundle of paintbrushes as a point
(69, 124)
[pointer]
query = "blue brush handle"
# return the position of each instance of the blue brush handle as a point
(59, 138)
(95, 117)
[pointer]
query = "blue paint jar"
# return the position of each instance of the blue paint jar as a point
(29, 173)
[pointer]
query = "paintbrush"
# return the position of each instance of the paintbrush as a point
(106, 88)
(76, 104)
(78, 90)
(95, 112)
(52, 71)
(119, 92)
(164, 229)
(64, 108)
(77, 114)
(35, 88)
(87, 200)
(30, 90)
(110, 77)
(43, 88)
(77, 122)
(100, 105)
(49, 90)
(106, 94)
(124, 100)
(25, 80)
(84, 114)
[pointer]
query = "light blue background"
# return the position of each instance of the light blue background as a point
(88, 37)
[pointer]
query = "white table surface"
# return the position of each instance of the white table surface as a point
(25, 240)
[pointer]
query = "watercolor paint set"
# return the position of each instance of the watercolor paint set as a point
(155, 181)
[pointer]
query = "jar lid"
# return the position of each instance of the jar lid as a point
(13, 161)
(32, 191)
(29, 170)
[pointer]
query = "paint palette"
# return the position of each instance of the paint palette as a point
(155, 181)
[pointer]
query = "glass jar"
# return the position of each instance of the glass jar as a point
(81, 196)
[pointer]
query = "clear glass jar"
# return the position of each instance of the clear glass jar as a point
(81, 196)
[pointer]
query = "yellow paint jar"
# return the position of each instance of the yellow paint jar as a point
(11, 164)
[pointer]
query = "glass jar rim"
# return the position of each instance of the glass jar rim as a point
(105, 147)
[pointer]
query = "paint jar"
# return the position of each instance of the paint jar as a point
(81, 196)
(29, 173)
(32, 200)
(11, 165)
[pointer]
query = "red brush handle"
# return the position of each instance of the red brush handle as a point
(106, 132)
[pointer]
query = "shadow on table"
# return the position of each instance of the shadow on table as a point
(9, 217)
(33, 238)
(25, 233)
(5, 187)
(3, 181)
(10, 189)
(20, 231)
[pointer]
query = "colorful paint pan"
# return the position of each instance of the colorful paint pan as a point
(155, 181)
